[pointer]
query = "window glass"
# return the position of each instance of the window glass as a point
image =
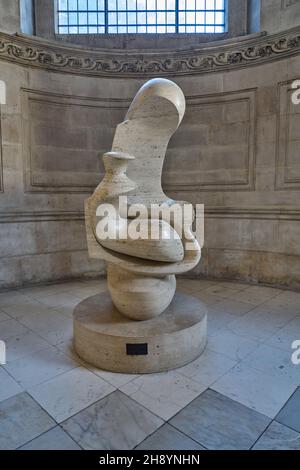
(140, 16)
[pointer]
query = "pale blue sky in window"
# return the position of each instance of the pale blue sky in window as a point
(141, 16)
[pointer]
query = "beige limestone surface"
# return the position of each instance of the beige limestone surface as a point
(176, 337)
(141, 272)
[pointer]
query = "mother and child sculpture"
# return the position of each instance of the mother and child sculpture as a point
(146, 238)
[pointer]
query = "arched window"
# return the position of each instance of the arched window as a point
(141, 16)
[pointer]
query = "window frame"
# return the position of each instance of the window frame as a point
(179, 28)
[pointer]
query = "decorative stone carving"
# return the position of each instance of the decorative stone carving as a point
(288, 3)
(141, 271)
(68, 59)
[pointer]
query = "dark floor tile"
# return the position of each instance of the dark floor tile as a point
(55, 439)
(168, 438)
(114, 423)
(278, 437)
(21, 420)
(290, 413)
(217, 422)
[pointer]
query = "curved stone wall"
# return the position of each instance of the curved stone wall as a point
(237, 152)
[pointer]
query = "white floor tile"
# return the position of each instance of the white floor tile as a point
(66, 311)
(9, 328)
(39, 367)
(49, 321)
(84, 292)
(208, 299)
(262, 392)
(114, 423)
(68, 349)
(8, 386)
(60, 299)
(284, 337)
(186, 289)
(275, 362)
(23, 309)
(164, 394)
(21, 420)
(280, 303)
(96, 281)
(64, 332)
(217, 320)
(22, 345)
(221, 291)
(259, 324)
(39, 292)
(229, 344)
(256, 295)
(208, 368)
(202, 284)
(233, 307)
(55, 439)
(239, 286)
(4, 316)
(290, 298)
(11, 298)
(115, 379)
(69, 393)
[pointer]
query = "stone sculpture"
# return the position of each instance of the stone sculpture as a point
(140, 272)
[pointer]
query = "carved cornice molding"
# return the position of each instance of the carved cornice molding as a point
(260, 212)
(53, 56)
(40, 216)
(213, 212)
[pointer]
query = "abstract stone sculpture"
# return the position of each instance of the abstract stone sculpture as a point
(141, 272)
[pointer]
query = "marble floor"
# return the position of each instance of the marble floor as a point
(242, 393)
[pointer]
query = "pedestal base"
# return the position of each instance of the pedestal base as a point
(109, 341)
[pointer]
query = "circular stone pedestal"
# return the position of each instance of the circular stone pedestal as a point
(106, 339)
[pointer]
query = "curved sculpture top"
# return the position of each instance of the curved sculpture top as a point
(141, 271)
(149, 101)
(150, 122)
